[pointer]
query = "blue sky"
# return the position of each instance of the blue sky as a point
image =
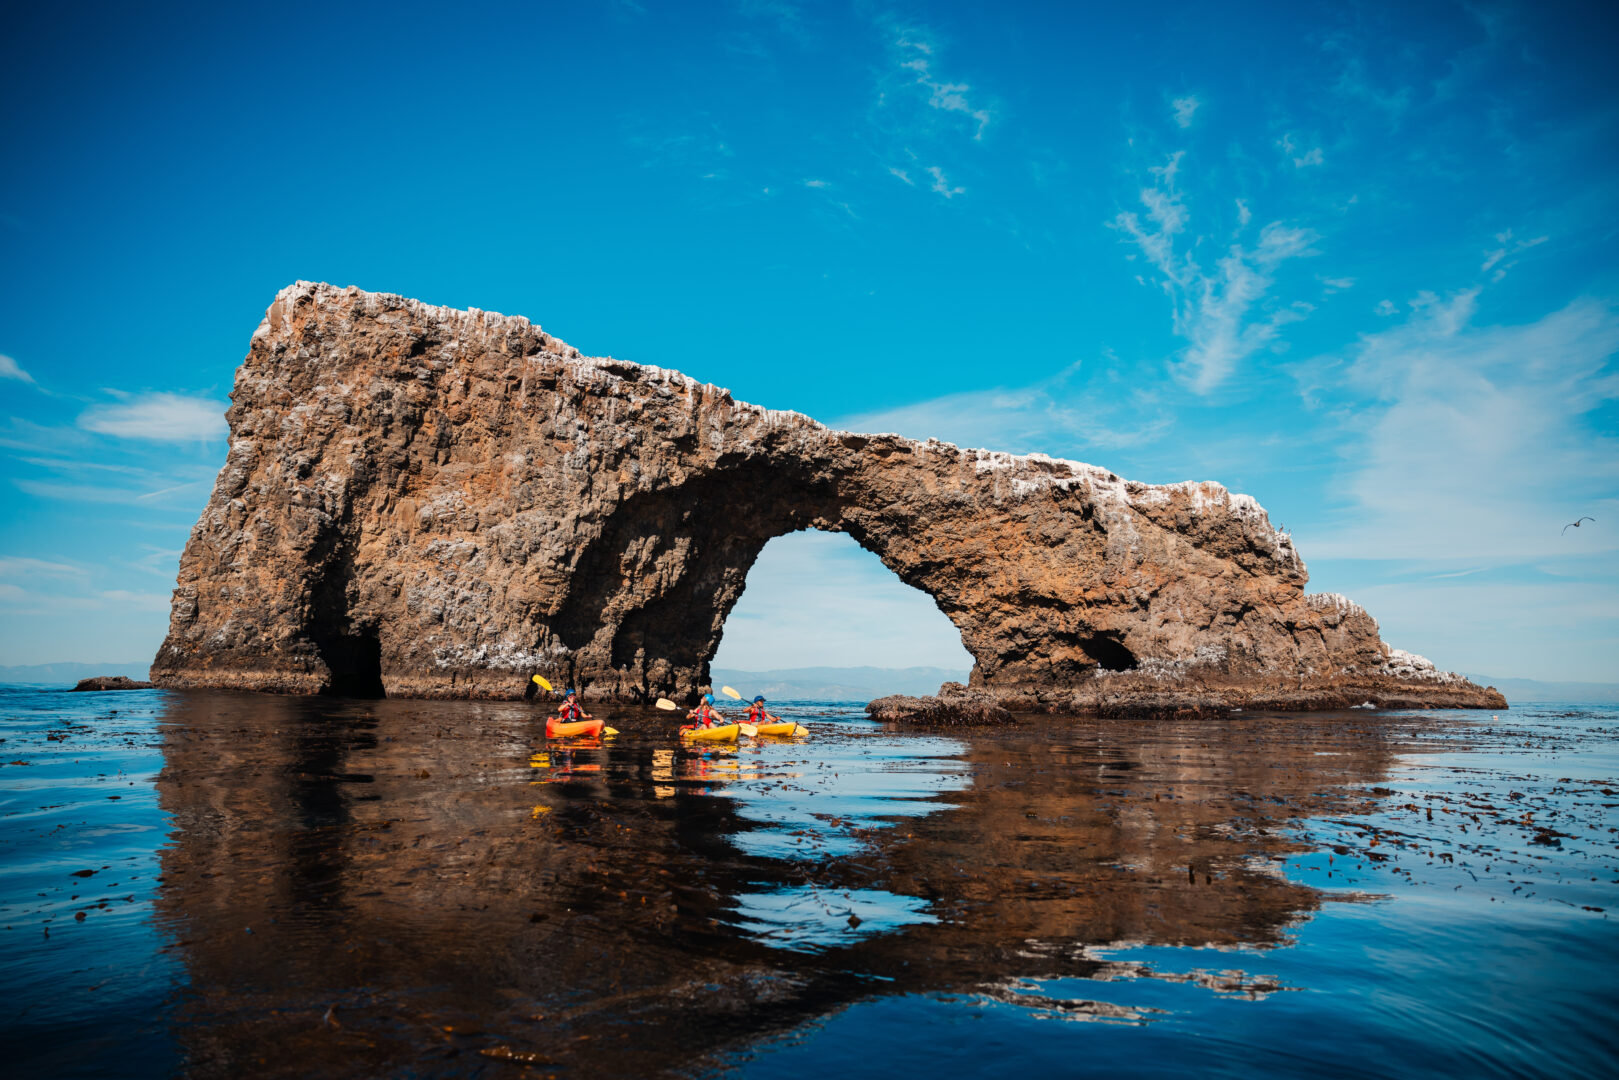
(1357, 260)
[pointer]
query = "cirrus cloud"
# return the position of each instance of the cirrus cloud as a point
(159, 417)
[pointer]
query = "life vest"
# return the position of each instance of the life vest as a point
(569, 712)
(705, 715)
(756, 713)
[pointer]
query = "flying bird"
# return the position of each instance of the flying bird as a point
(1575, 524)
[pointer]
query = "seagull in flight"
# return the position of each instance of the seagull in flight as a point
(1575, 524)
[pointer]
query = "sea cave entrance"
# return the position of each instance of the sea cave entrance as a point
(819, 612)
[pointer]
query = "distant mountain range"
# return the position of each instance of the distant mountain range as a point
(836, 683)
(69, 672)
(1530, 690)
(843, 683)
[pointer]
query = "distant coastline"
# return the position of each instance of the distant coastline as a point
(842, 683)
(68, 672)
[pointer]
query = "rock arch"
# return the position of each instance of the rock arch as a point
(444, 501)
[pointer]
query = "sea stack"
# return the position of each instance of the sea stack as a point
(428, 502)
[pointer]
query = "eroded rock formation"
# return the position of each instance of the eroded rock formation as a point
(110, 682)
(436, 503)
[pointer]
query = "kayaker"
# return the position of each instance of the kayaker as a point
(757, 714)
(704, 714)
(570, 709)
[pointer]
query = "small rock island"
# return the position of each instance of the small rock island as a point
(426, 502)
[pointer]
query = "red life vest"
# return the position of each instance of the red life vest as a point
(566, 711)
(705, 715)
(756, 714)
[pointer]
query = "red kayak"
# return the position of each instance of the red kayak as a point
(558, 729)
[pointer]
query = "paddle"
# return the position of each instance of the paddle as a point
(541, 680)
(747, 729)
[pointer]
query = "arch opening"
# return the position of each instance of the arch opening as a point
(817, 606)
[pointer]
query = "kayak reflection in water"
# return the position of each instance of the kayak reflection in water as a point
(704, 715)
(757, 714)
(570, 709)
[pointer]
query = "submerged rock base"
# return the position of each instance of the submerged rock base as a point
(1124, 695)
(954, 706)
(111, 682)
(424, 502)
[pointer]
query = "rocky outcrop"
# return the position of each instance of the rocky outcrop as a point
(436, 503)
(954, 706)
(110, 682)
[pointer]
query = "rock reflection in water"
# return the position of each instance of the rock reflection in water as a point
(380, 886)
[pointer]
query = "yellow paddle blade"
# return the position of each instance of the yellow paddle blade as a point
(732, 694)
(800, 730)
(748, 729)
(541, 680)
(609, 731)
(666, 705)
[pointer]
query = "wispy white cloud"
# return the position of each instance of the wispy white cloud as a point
(1301, 159)
(10, 369)
(1477, 443)
(815, 183)
(902, 174)
(1504, 258)
(941, 185)
(1184, 108)
(1045, 416)
(14, 567)
(916, 57)
(1214, 309)
(159, 417)
(1387, 307)
(76, 466)
(16, 600)
(131, 494)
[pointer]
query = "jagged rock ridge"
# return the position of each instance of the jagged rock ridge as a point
(430, 502)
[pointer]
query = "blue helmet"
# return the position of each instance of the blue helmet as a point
(568, 692)
(708, 699)
(759, 700)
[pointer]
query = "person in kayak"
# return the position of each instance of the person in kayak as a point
(704, 715)
(570, 709)
(757, 714)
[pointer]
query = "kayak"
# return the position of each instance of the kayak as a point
(725, 733)
(786, 727)
(558, 729)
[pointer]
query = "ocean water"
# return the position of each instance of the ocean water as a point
(228, 885)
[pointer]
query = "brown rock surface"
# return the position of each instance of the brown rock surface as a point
(111, 682)
(436, 503)
(954, 706)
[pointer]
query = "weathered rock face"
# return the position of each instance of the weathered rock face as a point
(110, 682)
(436, 503)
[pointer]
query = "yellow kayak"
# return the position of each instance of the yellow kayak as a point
(786, 727)
(727, 733)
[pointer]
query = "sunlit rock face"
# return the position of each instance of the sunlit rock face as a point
(437, 503)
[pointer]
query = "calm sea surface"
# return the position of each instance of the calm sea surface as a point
(230, 885)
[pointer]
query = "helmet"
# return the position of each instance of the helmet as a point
(759, 700)
(568, 692)
(708, 699)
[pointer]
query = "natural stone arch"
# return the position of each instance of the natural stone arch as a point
(441, 502)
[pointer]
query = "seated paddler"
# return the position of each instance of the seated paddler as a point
(757, 714)
(704, 715)
(570, 709)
